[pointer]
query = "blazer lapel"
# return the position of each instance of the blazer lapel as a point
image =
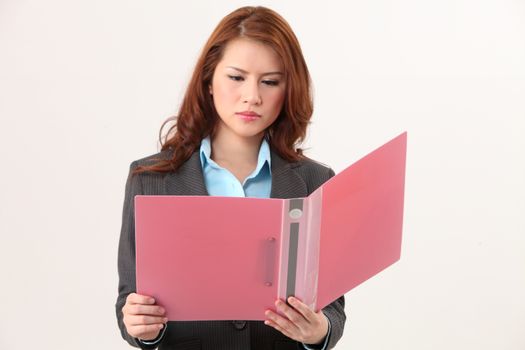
(286, 183)
(188, 180)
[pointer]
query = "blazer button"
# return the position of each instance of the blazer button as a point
(239, 325)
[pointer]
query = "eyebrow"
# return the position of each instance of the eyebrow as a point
(245, 72)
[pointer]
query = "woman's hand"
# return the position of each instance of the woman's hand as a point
(143, 319)
(301, 323)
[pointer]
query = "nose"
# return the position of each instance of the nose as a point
(251, 93)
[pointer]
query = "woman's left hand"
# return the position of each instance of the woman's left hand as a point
(301, 323)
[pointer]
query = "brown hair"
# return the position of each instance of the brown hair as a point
(197, 116)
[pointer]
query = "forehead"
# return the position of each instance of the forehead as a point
(251, 56)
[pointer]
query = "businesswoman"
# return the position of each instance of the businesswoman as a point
(246, 109)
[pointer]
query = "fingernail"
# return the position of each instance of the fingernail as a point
(165, 319)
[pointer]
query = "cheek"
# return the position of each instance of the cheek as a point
(225, 91)
(276, 98)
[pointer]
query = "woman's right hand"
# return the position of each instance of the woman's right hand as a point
(142, 318)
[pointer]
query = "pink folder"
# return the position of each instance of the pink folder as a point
(230, 258)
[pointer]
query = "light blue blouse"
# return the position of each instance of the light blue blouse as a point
(221, 182)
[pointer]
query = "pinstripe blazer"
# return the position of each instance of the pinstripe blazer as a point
(289, 180)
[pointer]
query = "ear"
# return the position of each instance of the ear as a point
(210, 89)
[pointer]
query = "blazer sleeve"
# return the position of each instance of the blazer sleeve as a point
(126, 254)
(335, 311)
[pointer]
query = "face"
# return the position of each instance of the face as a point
(248, 89)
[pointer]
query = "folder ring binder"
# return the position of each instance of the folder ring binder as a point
(316, 248)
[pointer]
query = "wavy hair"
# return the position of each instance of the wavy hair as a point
(197, 117)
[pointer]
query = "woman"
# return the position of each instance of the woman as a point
(246, 108)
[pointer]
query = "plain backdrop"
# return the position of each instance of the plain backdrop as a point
(85, 86)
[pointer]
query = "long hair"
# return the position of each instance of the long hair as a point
(197, 117)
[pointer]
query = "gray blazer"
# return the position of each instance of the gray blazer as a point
(289, 180)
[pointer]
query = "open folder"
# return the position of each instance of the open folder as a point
(230, 258)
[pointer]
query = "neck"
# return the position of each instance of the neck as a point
(231, 149)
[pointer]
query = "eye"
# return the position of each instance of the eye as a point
(271, 82)
(235, 77)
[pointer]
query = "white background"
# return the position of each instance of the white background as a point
(85, 86)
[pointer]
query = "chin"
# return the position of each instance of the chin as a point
(249, 135)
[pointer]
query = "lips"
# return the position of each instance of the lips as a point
(250, 114)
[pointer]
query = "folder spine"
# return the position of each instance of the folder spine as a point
(312, 250)
(300, 249)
